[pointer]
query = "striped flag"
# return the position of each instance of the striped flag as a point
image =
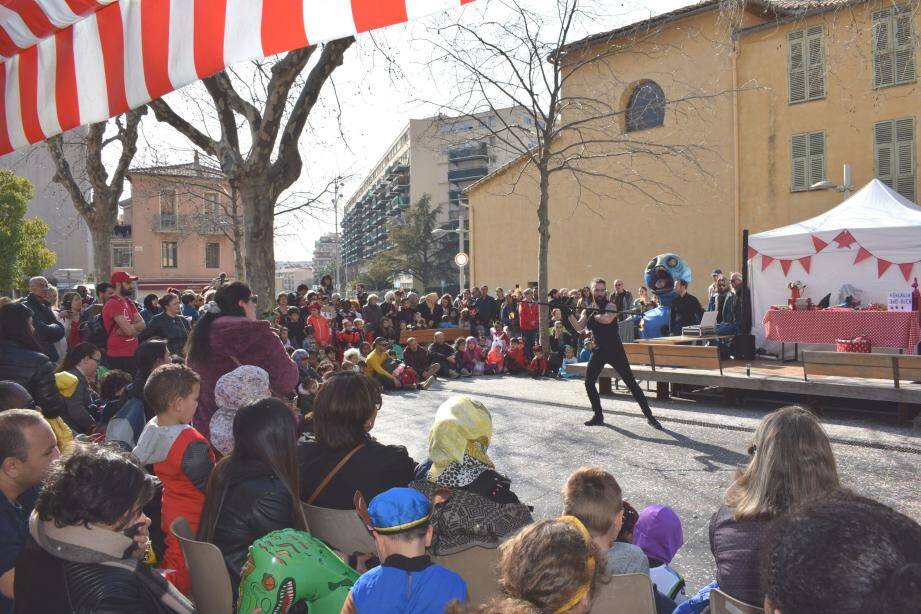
(71, 62)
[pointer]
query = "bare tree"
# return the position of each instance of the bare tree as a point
(98, 205)
(527, 58)
(267, 161)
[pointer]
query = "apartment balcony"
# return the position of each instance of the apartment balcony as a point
(468, 152)
(121, 231)
(467, 174)
(191, 224)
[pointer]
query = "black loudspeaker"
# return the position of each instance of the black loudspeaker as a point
(743, 347)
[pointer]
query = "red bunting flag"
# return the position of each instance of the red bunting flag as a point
(766, 261)
(882, 266)
(785, 265)
(752, 252)
(806, 261)
(819, 244)
(906, 269)
(845, 239)
(862, 254)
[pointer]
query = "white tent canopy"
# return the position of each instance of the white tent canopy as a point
(876, 225)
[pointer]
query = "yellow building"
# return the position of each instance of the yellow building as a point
(728, 119)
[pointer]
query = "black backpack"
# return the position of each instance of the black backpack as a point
(94, 331)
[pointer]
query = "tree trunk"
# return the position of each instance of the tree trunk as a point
(543, 254)
(101, 227)
(257, 199)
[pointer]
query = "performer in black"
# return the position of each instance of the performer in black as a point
(608, 350)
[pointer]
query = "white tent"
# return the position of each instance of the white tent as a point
(871, 241)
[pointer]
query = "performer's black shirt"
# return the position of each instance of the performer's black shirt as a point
(606, 335)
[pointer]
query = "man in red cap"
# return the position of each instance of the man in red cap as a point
(122, 323)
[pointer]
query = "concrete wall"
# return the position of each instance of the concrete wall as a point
(68, 236)
(679, 200)
(847, 114)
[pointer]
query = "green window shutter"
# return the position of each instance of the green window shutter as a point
(815, 63)
(904, 44)
(816, 158)
(904, 147)
(799, 162)
(796, 66)
(883, 150)
(883, 69)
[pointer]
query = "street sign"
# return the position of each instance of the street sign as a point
(461, 259)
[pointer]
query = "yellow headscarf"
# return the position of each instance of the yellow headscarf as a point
(583, 589)
(461, 425)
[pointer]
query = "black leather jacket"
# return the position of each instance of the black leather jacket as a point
(175, 329)
(45, 584)
(48, 330)
(256, 503)
(34, 372)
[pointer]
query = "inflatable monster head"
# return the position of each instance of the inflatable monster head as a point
(661, 274)
(287, 567)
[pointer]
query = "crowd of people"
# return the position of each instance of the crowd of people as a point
(151, 413)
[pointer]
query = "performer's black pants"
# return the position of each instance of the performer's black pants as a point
(617, 358)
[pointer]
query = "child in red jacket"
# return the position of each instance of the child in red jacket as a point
(181, 456)
(538, 366)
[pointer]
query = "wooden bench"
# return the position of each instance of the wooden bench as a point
(895, 368)
(668, 356)
(426, 335)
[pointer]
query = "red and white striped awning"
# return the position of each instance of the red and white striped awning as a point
(73, 62)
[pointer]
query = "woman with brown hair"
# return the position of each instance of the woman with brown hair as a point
(342, 457)
(255, 489)
(549, 566)
(791, 463)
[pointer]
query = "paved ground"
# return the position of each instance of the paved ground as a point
(539, 440)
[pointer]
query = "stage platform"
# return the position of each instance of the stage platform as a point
(772, 377)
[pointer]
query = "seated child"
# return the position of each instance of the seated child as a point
(569, 358)
(658, 533)
(111, 386)
(419, 321)
(586, 354)
(472, 357)
(460, 344)
(515, 360)
(231, 392)
(305, 367)
(464, 321)
(352, 360)
(310, 341)
(181, 457)
(592, 495)
(538, 366)
(495, 360)
(406, 581)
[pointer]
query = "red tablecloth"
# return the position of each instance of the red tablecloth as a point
(890, 329)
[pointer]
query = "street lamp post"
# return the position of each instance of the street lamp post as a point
(336, 184)
(460, 230)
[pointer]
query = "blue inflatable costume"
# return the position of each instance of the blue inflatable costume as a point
(661, 274)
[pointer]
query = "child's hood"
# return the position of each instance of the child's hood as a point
(155, 441)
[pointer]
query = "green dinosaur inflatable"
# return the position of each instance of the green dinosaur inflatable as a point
(287, 567)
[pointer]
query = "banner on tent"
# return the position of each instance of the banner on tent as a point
(844, 240)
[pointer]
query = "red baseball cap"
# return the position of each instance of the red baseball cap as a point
(118, 276)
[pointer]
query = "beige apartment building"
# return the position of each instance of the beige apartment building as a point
(176, 229)
(437, 156)
(728, 119)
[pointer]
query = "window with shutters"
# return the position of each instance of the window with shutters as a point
(893, 46)
(806, 64)
(894, 149)
(807, 160)
(212, 255)
(169, 254)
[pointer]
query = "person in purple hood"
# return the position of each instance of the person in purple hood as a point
(227, 336)
(658, 534)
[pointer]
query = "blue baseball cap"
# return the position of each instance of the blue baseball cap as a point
(399, 509)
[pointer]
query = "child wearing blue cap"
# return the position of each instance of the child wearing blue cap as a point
(406, 581)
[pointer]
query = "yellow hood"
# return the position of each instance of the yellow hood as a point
(67, 383)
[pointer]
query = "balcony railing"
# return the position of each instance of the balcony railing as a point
(191, 224)
(468, 152)
(121, 231)
(464, 174)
